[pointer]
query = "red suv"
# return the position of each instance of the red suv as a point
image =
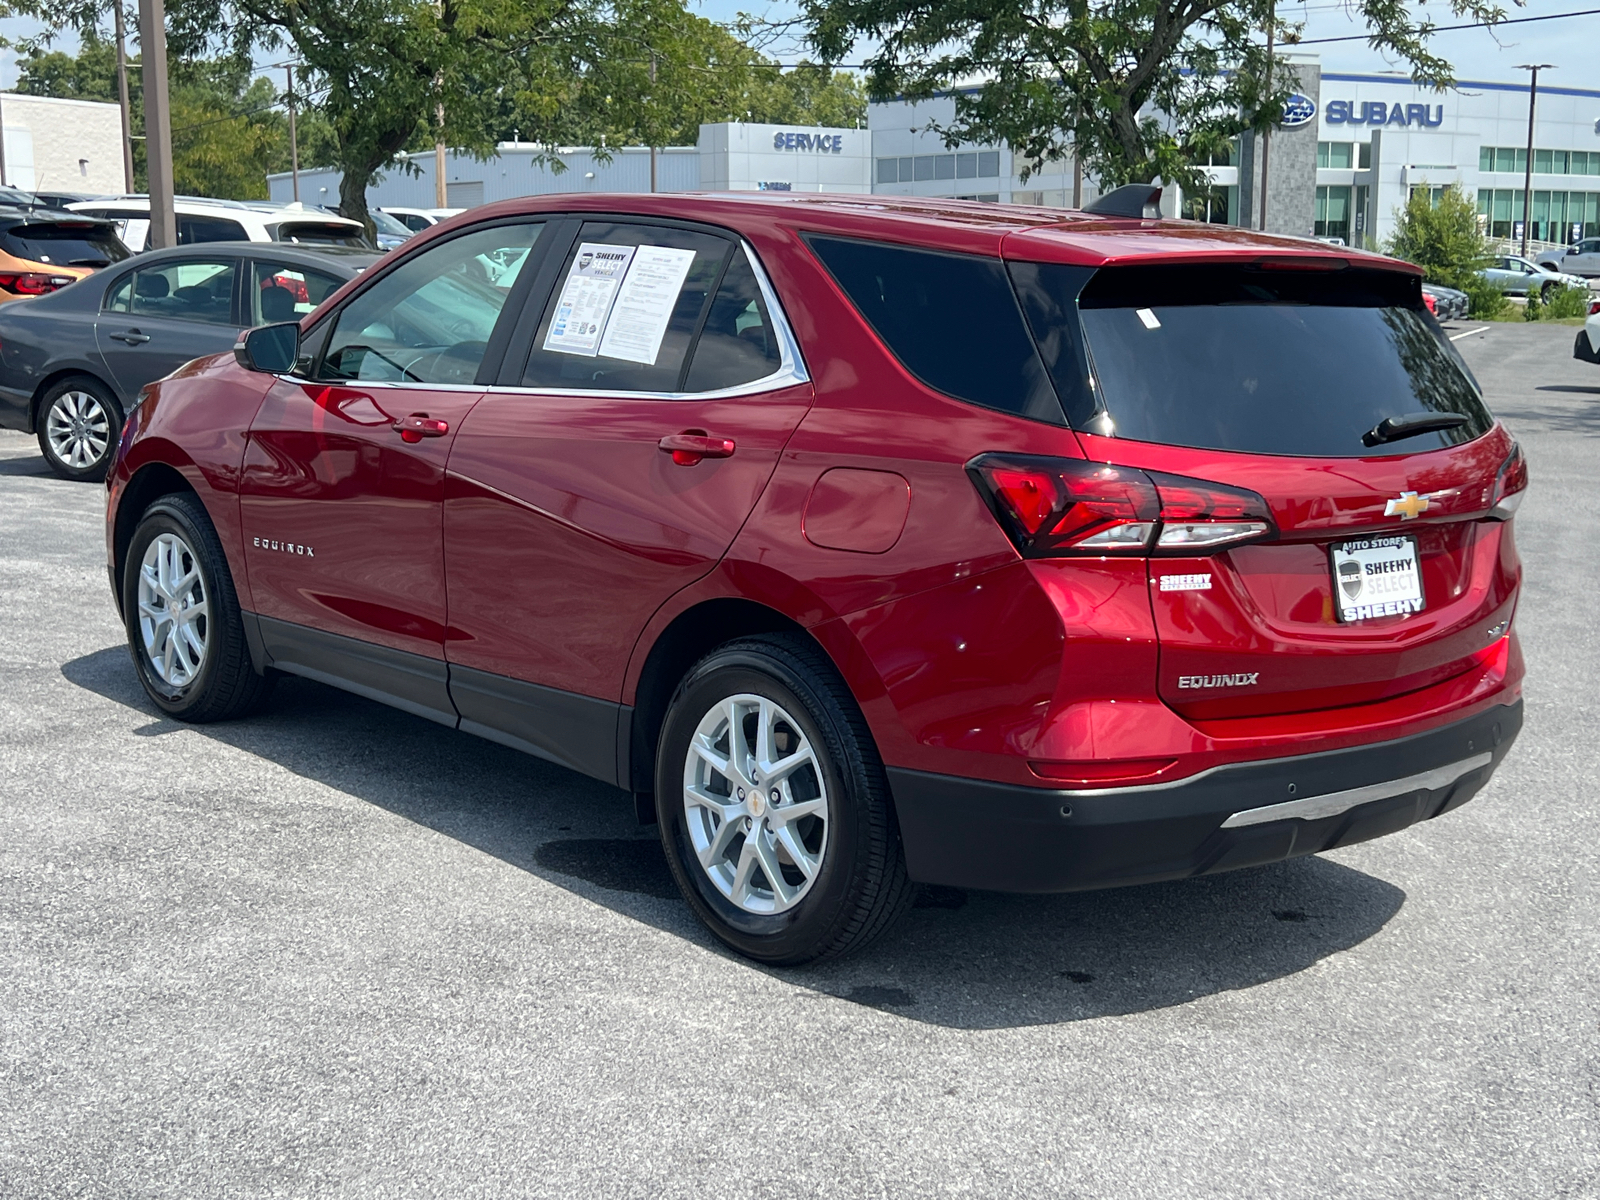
(864, 540)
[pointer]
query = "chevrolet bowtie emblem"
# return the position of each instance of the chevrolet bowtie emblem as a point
(1407, 507)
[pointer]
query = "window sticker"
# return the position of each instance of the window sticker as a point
(587, 298)
(644, 305)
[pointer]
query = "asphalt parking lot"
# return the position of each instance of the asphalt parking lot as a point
(336, 950)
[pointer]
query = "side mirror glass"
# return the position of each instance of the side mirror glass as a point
(269, 348)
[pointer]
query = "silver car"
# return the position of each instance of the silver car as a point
(1580, 259)
(1518, 276)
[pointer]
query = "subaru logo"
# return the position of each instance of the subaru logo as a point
(1297, 110)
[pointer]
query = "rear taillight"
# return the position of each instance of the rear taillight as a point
(1433, 305)
(1594, 307)
(32, 283)
(1510, 486)
(1051, 507)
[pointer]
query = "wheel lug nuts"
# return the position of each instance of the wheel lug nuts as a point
(774, 795)
(741, 793)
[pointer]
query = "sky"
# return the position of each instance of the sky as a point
(1573, 44)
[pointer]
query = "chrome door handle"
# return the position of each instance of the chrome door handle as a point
(133, 337)
(690, 446)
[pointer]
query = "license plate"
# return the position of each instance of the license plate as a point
(1376, 577)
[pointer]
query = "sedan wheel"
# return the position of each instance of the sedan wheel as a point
(78, 430)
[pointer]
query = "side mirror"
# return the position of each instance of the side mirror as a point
(269, 348)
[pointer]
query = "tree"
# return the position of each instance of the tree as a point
(1444, 239)
(385, 68)
(227, 132)
(1140, 89)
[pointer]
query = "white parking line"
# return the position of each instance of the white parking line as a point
(1456, 337)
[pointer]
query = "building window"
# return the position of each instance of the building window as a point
(1223, 158)
(1333, 212)
(1559, 217)
(981, 164)
(1545, 162)
(1363, 198)
(1336, 156)
(1364, 158)
(1432, 193)
(1216, 206)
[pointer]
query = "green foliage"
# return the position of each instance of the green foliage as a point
(1484, 299)
(226, 133)
(1534, 309)
(1086, 74)
(1442, 238)
(1564, 303)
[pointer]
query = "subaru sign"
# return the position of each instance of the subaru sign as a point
(1376, 112)
(1298, 110)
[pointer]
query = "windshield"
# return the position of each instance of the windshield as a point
(64, 243)
(310, 233)
(384, 223)
(1248, 358)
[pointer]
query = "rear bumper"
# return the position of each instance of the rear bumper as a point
(974, 834)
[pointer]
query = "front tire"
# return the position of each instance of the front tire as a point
(184, 627)
(773, 805)
(79, 423)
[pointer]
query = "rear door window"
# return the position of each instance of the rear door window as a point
(626, 307)
(1258, 358)
(287, 291)
(738, 343)
(951, 319)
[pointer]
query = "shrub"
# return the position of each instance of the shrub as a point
(1443, 239)
(1535, 309)
(1565, 302)
(1483, 298)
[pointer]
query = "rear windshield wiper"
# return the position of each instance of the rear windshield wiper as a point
(1392, 429)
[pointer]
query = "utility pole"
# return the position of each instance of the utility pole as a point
(441, 193)
(157, 122)
(123, 103)
(1266, 134)
(1527, 177)
(652, 123)
(294, 137)
(4, 179)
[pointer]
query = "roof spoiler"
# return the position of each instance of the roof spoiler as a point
(1137, 200)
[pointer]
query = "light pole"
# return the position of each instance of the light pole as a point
(121, 27)
(294, 135)
(1527, 178)
(1266, 134)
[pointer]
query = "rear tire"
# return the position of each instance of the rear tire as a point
(182, 615)
(829, 837)
(78, 425)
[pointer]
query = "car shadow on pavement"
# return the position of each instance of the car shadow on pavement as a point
(24, 465)
(973, 960)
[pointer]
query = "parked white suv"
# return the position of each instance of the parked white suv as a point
(1587, 346)
(418, 219)
(202, 220)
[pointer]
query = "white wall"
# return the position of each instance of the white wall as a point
(62, 145)
(736, 157)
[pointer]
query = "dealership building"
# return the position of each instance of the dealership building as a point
(1351, 150)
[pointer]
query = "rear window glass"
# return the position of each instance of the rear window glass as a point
(951, 319)
(64, 243)
(1254, 359)
(738, 343)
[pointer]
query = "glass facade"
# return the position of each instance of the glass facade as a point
(1545, 162)
(1338, 156)
(1556, 216)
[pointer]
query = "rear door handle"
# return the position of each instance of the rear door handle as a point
(420, 425)
(132, 336)
(690, 446)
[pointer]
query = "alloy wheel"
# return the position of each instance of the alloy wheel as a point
(79, 429)
(755, 804)
(174, 612)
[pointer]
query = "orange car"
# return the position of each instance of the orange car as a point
(42, 250)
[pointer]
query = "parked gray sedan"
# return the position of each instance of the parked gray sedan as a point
(72, 362)
(1518, 276)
